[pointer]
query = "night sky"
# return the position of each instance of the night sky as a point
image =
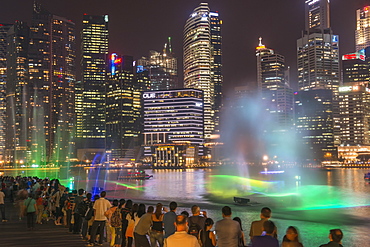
(139, 26)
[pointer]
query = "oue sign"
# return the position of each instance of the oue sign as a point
(149, 95)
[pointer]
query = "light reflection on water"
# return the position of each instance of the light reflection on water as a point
(312, 209)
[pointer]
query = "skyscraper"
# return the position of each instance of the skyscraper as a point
(17, 95)
(273, 84)
(318, 82)
(354, 115)
(202, 61)
(362, 33)
(161, 67)
(314, 124)
(356, 68)
(123, 110)
(4, 28)
(317, 15)
(91, 118)
(52, 74)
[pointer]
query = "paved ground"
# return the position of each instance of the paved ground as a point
(15, 233)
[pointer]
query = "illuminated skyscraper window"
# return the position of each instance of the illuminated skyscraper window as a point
(202, 61)
(91, 117)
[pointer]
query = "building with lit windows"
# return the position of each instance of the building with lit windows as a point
(17, 95)
(273, 85)
(318, 50)
(4, 28)
(362, 32)
(354, 115)
(91, 119)
(314, 124)
(202, 62)
(123, 110)
(317, 15)
(52, 76)
(173, 124)
(318, 82)
(356, 68)
(161, 68)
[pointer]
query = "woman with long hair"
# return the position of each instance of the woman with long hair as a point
(156, 232)
(206, 236)
(291, 238)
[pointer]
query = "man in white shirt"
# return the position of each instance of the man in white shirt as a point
(100, 207)
(181, 238)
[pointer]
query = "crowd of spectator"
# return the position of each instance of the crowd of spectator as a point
(123, 223)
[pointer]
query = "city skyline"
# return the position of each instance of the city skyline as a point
(148, 27)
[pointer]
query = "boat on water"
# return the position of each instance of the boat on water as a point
(367, 177)
(135, 175)
(241, 200)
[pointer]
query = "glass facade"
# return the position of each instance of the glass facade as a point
(91, 116)
(202, 61)
(173, 117)
(362, 32)
(17, 95)
(4, 28)
(123, 110)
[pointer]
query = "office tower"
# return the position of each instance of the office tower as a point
(216, 65)
(161, 67)
(202, 61)
(4, 28)
(314, 124)
(173, 124)
(356, 68)
(318, 71)
(273, 84)
(318, 61)
(362, 32)
(317, 15)
(91, 132)
(354, 115)
(17, 95)
(52, 75)
(123, 110)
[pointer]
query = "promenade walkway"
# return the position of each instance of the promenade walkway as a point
(14, 233)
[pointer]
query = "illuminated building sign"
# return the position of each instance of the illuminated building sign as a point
(335, 39)
(358, 55)
(114, 61)
(349, 88)
(149, 95)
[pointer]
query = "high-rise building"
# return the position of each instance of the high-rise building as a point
(317, 15)
(91, 119)
(354, 115)
(52, 75)
(273, 84)
(314, 124)
(362, 32)
(202, 61)
(17, 95)
(4, 28)
(161, 67)
(123, 110)
(356, 68)
(318, 71)
(318, 61)
(173, 118)
(216, 66)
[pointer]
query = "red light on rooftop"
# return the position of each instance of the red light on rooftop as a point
(1, 25)
(366, 8)
(85, 14)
